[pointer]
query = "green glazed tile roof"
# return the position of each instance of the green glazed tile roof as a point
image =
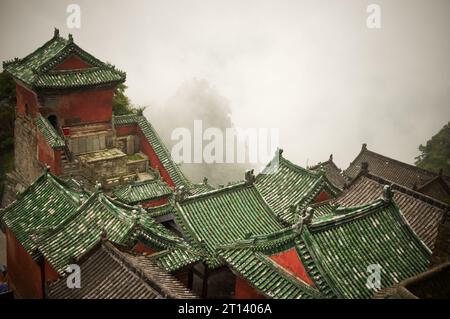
(176, 258)
(122, 224)
(225, 215)
(158, 146)
(161, 210)
(354, 238)
(142, 191)
(283, 184)
(249, 259)
(52, 137)
(37, 69)
(265, 275)
(44, 205)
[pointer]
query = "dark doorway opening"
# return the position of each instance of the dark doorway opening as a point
(53, 121)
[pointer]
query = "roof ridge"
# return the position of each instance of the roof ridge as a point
(52, 39)
(381, 156)
(404, 190)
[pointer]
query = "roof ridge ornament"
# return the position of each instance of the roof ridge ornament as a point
(364, 147)
(56, 33)
(250, 176)
(181, 193)
(70, 38)
(387, 194)
(304, 219)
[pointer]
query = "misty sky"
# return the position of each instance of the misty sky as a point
(311, 68)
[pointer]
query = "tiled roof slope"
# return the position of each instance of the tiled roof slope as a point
(137, 192)
(393, 170)
(201, 187)
(250, 260)
(354, 238)
(225, 215)
(51, 136)
(37, 69)
(44, 205)
(158, 146)
(100, 216)
(109, 273)
(284, 184)
(332, 172)
(423, 213)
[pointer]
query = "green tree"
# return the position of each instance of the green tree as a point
(121, 103)
(7, 88)
(435, 154)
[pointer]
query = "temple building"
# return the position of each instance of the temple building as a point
(64, 120)
(102, 191)
(412, 177)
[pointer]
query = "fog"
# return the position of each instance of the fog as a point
(310, 68)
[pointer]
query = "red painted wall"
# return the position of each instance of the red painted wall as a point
(290, 261)
(243, 290)
(322, 196)
(48, 155)
(141, 248)
(26, 96)
(49, 272)
(88, 106)
(24, 273)
(126, 130)
(155, 203)
(147, 149)
(71, 63)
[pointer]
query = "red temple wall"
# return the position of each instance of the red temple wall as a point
(243, 290)
(322, 196)
(28, 97)
(24, 273)
(154, 203)
(48, 155)
(154, 160)
(87, 107)
(126, 130)
(291, 262)
(72, 63)
(49, 272)
(141, 248)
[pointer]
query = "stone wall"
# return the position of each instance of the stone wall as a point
(25, 149)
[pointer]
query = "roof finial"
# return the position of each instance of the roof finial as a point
(387, 194)
(104, 235)
(205, 180)
(180, 193)
(98, 186)
(331, 157)
(249, 176)
(70, 37)
(364, 146)
(56, 33)
(46, 169)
